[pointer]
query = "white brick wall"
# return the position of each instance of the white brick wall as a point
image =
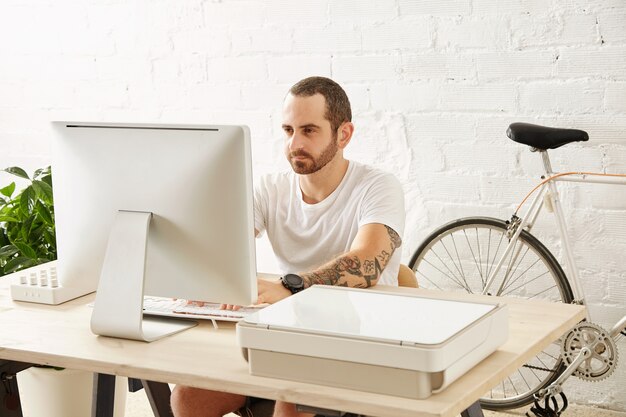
(434, 84)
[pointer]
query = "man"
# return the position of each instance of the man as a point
(330, 221)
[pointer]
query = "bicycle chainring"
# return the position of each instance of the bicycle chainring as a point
(603, 359)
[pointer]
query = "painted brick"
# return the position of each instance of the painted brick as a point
(441, 66)
(236, 69)
(473, 33)
(220, 96)
(292, 68)
(479, 157)
(365, 68)
(267, 39)
(615, 97)
(607, 61)
(211, 41)
(404, 97)
(611, 25)
(423, 128)
(359, 96)
(570, 97)
(362, 11)
(244, 14)
(489, 97)
(410, 34)
(327, 40)
(259, 96)
(504, 191)
(520, 65)
(513, 7)
(435, 7)
(453, 188)
(301, 13)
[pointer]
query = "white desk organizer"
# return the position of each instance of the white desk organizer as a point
(40, 284)
(368, 340)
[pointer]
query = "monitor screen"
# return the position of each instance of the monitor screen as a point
(196, 183)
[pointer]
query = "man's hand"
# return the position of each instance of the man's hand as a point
(271, 291)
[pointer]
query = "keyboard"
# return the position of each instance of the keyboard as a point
(159, 306)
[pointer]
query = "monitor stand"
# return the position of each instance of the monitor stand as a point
(118, 309)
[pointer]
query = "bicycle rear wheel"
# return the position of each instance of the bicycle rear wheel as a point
(461, 255)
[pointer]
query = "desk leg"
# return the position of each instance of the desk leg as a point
(103, 395)
(473, 410)
(159, 397)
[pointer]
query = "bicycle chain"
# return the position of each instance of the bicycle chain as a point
(538, 368)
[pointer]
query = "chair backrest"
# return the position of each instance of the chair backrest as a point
(406, 277)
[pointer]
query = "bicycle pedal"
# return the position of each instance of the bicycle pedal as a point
(550, 407)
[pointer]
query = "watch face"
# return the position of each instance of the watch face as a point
(293, 283)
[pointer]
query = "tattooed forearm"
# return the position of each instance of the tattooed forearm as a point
(349, 271)
(396, 240)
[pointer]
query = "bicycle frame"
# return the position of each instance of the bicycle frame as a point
(549, 191)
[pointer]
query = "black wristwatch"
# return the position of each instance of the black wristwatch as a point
(292, 282)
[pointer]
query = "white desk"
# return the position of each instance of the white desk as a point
(208, 358)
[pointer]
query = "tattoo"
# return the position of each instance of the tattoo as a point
(373, 271)
(396, 240)
(335, 273)
(349, 265)
(369, 270)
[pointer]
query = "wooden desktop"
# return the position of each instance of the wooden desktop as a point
(209, 358)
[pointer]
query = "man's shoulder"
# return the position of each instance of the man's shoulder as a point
(277, 179)
(370, 174)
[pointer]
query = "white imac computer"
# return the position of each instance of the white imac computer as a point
(160, 210)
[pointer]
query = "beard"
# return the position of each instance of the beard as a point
(310, 165)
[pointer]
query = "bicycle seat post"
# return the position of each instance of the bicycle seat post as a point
(547, 166)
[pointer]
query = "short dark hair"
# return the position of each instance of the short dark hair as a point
(337, 104)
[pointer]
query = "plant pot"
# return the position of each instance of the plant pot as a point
(48, 392)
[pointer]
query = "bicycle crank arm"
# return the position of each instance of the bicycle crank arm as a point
(619, 328)
(555, 388)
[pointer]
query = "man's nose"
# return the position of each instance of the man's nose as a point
(295, 142)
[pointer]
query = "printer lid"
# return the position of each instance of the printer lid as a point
(370, 314)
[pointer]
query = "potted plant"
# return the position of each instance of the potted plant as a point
(27, 238)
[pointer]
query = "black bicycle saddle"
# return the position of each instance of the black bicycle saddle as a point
(542, 137)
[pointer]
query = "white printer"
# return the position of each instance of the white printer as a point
(370, 340)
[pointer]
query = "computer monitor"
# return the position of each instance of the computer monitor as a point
(161, 210)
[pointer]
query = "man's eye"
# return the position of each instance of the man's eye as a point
(288, 130)
(308, 131)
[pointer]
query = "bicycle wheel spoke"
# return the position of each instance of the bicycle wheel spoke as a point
(471, 250)
(451, 273)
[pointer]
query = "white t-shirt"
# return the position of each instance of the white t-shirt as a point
(306, 236)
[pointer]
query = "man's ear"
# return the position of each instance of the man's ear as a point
(344, 134)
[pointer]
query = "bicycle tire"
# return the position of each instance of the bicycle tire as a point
(433, 262)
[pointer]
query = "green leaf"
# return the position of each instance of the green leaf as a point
(27, 200)
(8, 219)
(26, 227)
(8, 190)
(18, 172)
(47, 179)
(43, 190)
(50, 238)
(44, 213)
(26, 250)
(8, 251)
(18, 263)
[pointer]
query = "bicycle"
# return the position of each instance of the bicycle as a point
(495, 257)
